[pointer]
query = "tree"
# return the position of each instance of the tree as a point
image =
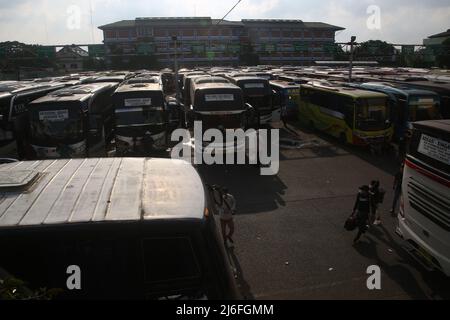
(376, 50)
(339, 54)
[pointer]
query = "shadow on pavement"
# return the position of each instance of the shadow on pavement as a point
(386, 162)
(439, 284)
(244, 287)
(253, 193)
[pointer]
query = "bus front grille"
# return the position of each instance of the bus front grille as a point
(431, 204)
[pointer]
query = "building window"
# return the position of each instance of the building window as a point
(110, 34)
(297, 34)
(287, 33)
(73, 66)
(226, 32)
(307, 34)
(188, 33)
(276, 33)
(124, 34)
(215, 32)
(160, 33)
(202, 32)
(264, 33)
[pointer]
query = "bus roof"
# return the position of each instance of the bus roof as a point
(284, 84)
(136, 87)
(75, 93)
(99, 190)
(216, 85)
(440, 125)
(347, 91)
(396, 88)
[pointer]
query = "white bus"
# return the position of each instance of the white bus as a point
(424, 220)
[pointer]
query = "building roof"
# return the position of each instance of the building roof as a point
(72, 50)
(441, 35)
(209, 21)
(71, 191)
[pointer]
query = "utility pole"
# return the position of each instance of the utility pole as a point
(352, 43)
(177, 96)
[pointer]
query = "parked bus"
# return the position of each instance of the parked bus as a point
(258, 94)
(221, 106)
(72, 122)
(441, 88)
(355, 116)
(424, 219)
(14, 122)
(286, 99)
(408, 105)
(136, 228)
(141, 119)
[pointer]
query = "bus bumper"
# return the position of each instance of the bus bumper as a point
(126, 144)
(76, 150)
(420, 251)
(220, 149)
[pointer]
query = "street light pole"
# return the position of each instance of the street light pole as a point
(352, 43)
(175, 39)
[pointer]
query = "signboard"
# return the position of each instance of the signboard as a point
(46, 52)
(145, 48)
(54, 115)
(435, 148)
(138, 102)
(219, 97)
(253, 85)
(97, 50)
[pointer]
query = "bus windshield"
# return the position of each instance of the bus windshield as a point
(422, 109)
(54, 126)
(371, 114)
(139, 116)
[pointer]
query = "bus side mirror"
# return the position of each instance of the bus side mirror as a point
(1, 117)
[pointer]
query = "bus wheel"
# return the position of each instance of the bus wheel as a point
(343, 138)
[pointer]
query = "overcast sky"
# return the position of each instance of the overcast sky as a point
(76, 21)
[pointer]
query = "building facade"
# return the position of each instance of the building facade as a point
(206, 41)
(71, 58)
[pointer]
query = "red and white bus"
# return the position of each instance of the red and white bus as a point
(424, 220)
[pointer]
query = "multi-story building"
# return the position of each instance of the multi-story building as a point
(206, 41)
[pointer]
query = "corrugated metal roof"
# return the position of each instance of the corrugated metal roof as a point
(108, 189)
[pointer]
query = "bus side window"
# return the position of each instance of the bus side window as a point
(348, 109)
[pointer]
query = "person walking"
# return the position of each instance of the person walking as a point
(361, 211)
(227, 211)
(376, 198)
(397, 187)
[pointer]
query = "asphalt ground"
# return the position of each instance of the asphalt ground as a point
(290, 242)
